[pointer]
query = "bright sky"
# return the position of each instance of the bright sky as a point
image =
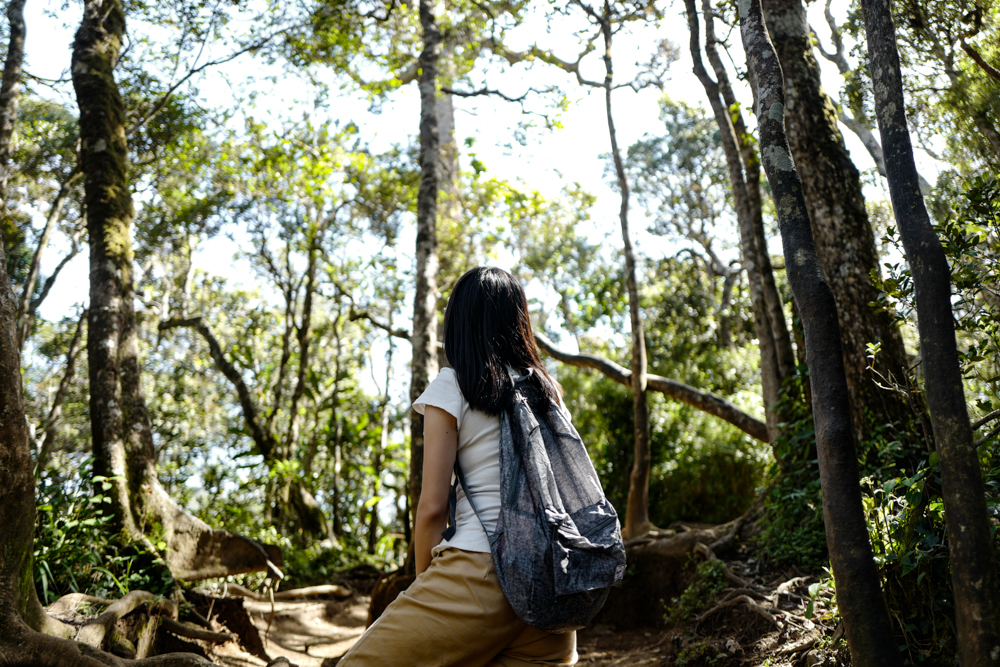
(548, 161)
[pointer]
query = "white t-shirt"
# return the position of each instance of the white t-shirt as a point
(479, 456)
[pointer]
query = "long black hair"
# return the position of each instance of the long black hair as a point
(487, 329)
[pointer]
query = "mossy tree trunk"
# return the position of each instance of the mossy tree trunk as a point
(973, 560)
(10, 91)
(859, 594)
(120, 424)
(22, 619)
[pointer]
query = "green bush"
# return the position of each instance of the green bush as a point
(76, 549)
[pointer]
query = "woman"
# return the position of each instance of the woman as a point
(455, 613)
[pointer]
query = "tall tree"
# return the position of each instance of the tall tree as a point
(120, 426)
(844, 238)
(637, 511)
(859, 594)
(20, 611)
(10, 90)
(776, 359)
(970, 541)
(423, 338)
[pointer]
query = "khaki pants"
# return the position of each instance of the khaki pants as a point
(456, 614)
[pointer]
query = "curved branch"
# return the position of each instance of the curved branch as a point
(263, 439)
(978, 59)
(705, 401)
(357, 314)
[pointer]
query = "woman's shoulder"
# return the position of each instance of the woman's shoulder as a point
(443, 392)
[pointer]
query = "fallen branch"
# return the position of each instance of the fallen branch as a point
(333, 590)
(181, 630)
(799, 646)
(705, 401)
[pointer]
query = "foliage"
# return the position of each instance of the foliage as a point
(704, 653)
(74, 550)
(709, 580)
(904, 504)
(792, 528)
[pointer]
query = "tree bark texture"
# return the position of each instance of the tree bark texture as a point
(973, 561)
(424, 335)
(859, 593)
(637, 508)
(751, 163)
(770, 370)
(120, 426)
(10, 90)
(844, 239)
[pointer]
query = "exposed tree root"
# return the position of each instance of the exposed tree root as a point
(94, 632)
(332, 590)
(740, 599)
(72, 602)
(21, 646)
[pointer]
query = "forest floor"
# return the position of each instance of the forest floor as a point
(756, 619)
(680, 606)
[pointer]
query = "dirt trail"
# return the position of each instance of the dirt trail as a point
(307, 632)
(316, 633)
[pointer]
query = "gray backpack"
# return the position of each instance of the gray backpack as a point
(557, 547)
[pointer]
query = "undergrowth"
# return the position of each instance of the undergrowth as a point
(792, 528)
(77, 551)
(709, 580)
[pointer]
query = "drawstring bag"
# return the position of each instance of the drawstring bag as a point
(557, 548)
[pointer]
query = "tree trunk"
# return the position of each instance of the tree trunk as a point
(424, 336)
(859, 594)
(120, 427)
(751, 163)
(973, 561)
(843, 234)
(637, 510)
(379, 451)
(868, 139)
(770, 369)
(10, 91)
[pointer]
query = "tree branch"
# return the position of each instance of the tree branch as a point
(262, 438)
(978, 59)
(357, 314)
(195, 70)
(705, 401)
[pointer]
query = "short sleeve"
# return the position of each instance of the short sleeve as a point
(443, 392)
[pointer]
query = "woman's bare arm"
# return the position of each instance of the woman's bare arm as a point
(440, 448)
